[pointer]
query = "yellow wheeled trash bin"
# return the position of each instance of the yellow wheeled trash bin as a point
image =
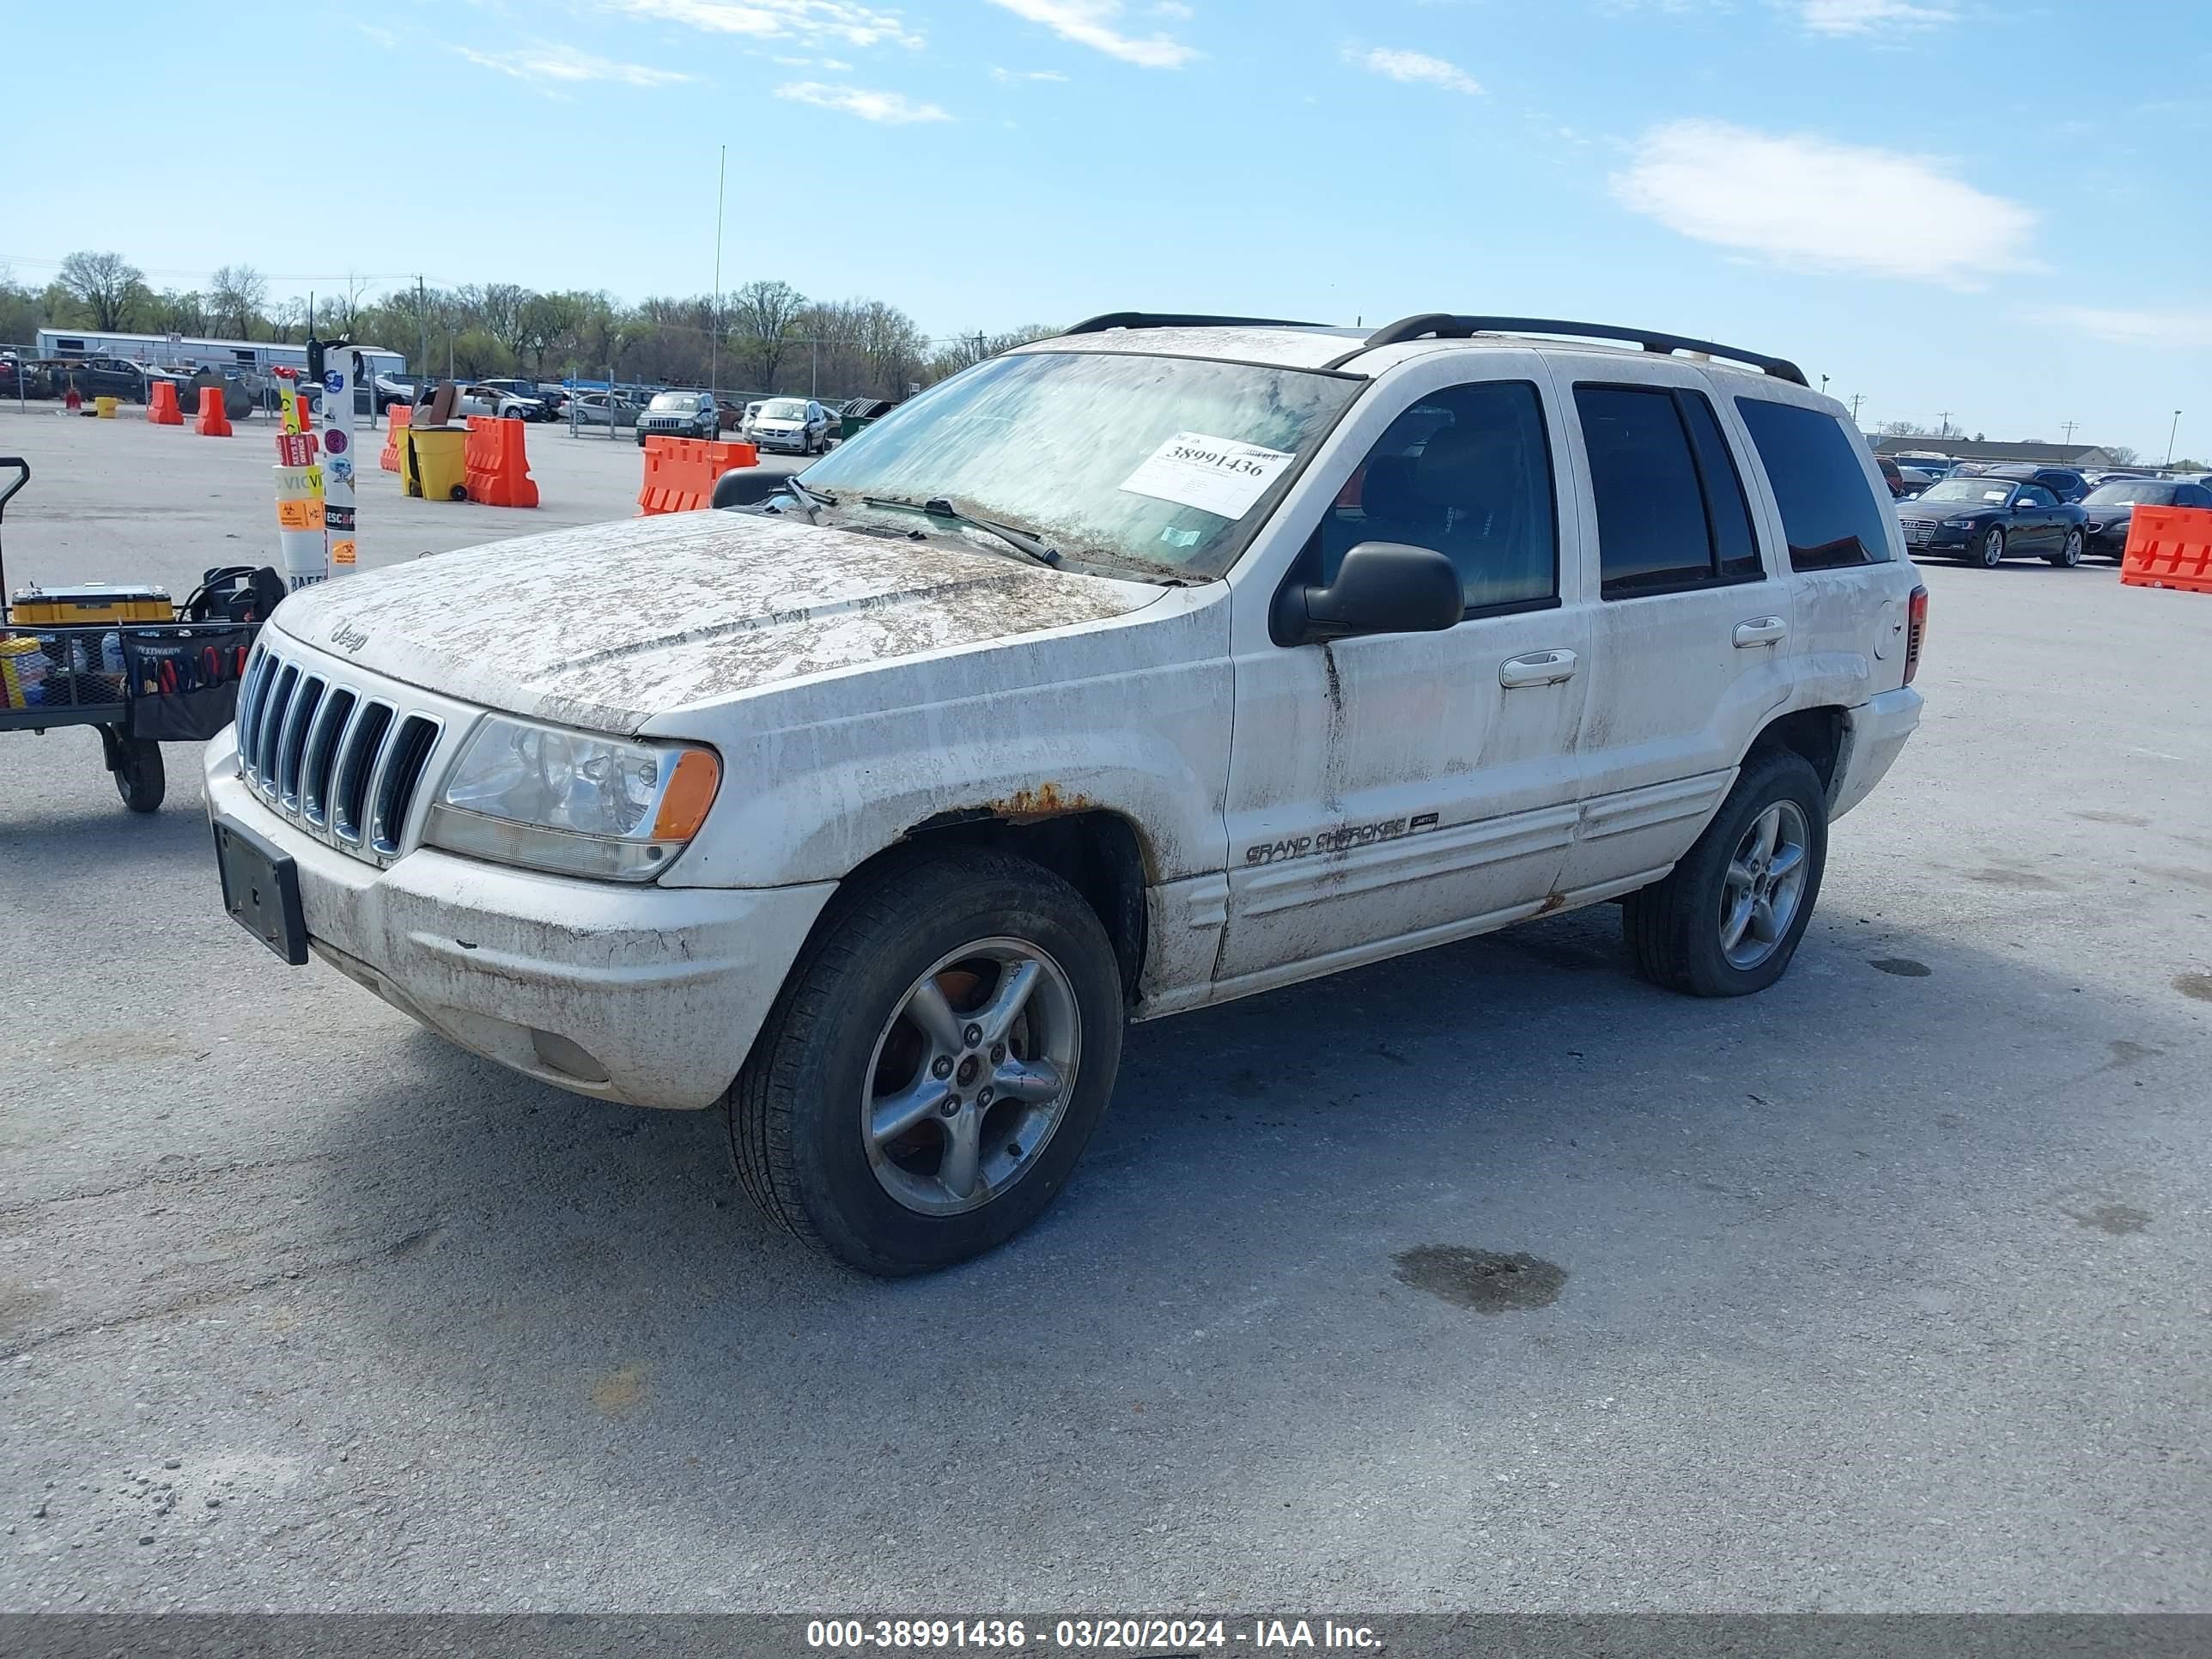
(436, 463)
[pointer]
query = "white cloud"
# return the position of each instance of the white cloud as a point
(780, 20)
(893, 108)
(1865, 16)
(545, 65)
(1416, 66)
(1174, 10)
(1008, 77)
(2183, 330)
(1091, 23)
(1813, 204)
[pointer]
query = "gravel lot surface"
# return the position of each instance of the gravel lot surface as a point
(1890, 1289)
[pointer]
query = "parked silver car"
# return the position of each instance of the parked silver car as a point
(590, 409)
(798, 424)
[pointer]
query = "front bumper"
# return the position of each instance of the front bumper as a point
(1935, 537)
(1873, 733)
(644, 994)
(2112, 541)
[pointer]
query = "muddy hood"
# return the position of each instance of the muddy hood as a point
(608, 625)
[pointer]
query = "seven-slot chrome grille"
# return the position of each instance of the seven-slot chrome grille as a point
(340, 761)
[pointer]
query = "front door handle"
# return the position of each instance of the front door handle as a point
(1760, 630)
(1537, 668)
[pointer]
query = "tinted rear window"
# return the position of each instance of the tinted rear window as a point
(1652, 533)
(1829, 512)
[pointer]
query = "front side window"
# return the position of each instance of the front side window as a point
(1466, 471)
(1829, 515)
(1664, 521)
(1154, 462)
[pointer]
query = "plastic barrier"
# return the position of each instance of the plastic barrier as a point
(213, 422)
(162, 404)
(497, 464)
(680, 472)
(395, 419)
(2169, 547)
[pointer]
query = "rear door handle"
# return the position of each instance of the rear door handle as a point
(1760, 630)
(1537, 668)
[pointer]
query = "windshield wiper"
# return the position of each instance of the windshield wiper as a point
(807, 498)
(937, 507)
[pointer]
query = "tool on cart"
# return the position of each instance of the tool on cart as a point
(119, 658)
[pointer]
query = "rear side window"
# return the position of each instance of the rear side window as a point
(1828, 513)
(1670, 508)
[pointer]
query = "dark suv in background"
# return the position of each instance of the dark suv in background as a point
(2063, 482)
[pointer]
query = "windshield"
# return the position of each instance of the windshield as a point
(1969, 490)
(2132, 493)
(783, 408)
(1153, 461)
(663, 402)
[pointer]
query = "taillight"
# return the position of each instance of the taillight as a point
(1916, 631)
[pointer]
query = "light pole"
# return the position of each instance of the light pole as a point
(714, 343)
(2170, 431)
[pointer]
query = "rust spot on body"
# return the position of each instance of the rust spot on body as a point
(1551, 902)
(1043, 800)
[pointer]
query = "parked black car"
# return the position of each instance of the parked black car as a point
(679, 415)
(2063, 482)
(1984, 520)
(98, 376)
(2111, 509)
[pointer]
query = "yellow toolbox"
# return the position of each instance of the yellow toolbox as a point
(91, 602)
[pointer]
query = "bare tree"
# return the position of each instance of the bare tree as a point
(105, 284)
(2122, 454)
(762, 312)
(237, 295)
(347, 309)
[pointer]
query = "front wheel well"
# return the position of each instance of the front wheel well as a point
(1815, 733)
(1096, 852)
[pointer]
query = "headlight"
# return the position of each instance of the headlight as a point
(573, 802)
(1959, 521)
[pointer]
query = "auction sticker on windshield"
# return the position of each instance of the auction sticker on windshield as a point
(1215, 475)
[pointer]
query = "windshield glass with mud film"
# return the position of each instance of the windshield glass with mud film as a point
(1153, 463)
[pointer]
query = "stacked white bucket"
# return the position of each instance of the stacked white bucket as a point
(298, 497)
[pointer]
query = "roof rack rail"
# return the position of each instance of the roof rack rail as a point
(1100, 323)
(1446, 326)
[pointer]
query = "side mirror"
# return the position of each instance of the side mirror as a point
(1381, 587)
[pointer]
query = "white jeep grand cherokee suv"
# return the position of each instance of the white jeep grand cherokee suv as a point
(1167, 661)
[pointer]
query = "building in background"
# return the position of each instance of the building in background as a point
(195, 352)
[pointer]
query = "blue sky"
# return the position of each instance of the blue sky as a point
(1997, 209)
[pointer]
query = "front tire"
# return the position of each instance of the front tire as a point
(2071, 556)
(941, 1054)
(1990, 552)
(1726, 920)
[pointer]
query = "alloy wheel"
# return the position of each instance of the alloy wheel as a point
(1765, 884)
(970, 1076)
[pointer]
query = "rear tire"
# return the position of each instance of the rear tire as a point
(841, 1048)
(1679, 929)
(2071, 556)
(140, 778)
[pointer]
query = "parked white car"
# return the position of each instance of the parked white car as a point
(1126, 673)
(797, 424)
(507, 405)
